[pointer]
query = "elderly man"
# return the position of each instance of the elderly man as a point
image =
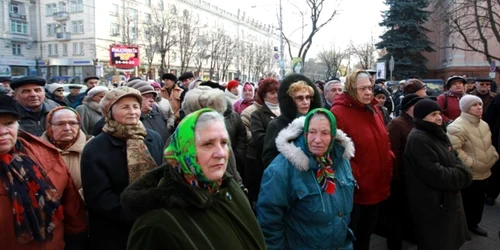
(185, 79)
(359, 116)
(91, 82)
(74, 92)
(172, 92)
(332, 89)
(29, 92)
(5, 82)
(483, 91)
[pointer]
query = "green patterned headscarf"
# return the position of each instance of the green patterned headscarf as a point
(181, 153)
(329, 116)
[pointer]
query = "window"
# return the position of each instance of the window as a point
(82, 44)
(14, 8)
(50, 9)
(62, 7)
(16, 49)
(77, 26)
(18, 27)
(65, 49)
(115, 29)
(76, 5)
(133, 32)
(148, 2)
(51, 29)
(75, 48)
(147, 18)
(133, 14)
(114, 10)
(51, 52)
(56, 50)
(160, 5)
(173, 10)
(64, 27)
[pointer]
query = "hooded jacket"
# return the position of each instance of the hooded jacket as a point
(372, 165)
(171, 214)
(288, 114)
(292, 210)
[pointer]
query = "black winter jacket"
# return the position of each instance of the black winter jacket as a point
(157, 122)
(237, 135)
(34, 122)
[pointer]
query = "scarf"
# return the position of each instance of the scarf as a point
(275, 108)
(36, 205)
(50, 133)
(325, 176)
(181, 153)
(139, 160)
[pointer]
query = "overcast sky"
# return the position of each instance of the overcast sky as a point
(357, 19)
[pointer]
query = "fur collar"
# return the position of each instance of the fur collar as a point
(285, 145)
(91, 104)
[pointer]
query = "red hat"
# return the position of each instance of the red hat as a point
(232, 84)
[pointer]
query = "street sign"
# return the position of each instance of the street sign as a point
(493, 75)
(391, 64)
(493, 66)
(276, 56)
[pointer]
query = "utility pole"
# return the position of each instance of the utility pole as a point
(282, 45)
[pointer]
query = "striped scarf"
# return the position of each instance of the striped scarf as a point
(325, 174)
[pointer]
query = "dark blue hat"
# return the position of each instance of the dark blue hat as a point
(16, 83)
(89, 78)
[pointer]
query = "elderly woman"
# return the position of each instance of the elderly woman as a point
(119, 155)
(307, 192)
(31, 167)
(89, 111)
(471, 137)
(55, 91)
(266, 109)
(63, 131)
(246, 98)
(435, 176)
(191, 203)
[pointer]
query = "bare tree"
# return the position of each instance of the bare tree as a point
(316, 10)
(332, 59)
(476, 23)
(188, 36)
(161, 30)
(129, 23)
(365, 53)
(243, 62)
(201, 52)
(215, 48)
(263, 59)
(226, 56)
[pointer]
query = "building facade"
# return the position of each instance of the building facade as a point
(68, 40)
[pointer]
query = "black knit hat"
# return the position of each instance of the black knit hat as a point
(423, 108)
(169, 76)
(409, 100)
(378, 90)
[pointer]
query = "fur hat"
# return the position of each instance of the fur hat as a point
(96, 90)
(232, 84)
(204, 97)
(116, 94)
(412, 86)
(423, 108)
(169, 76)
(143, 87)
(467, 101)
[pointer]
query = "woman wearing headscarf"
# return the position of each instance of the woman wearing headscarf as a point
(434, 177)
(307, 191)
(266, 109)
(89, 111)
(191, 202)
(471, 138)
(123, 152)
(246, 98)
(40, 207)
(63, 131)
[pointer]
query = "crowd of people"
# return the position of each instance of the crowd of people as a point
(278, 164)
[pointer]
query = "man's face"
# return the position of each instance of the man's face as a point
(457, 87)
(74, 92)
(335, 90)
(30, 96)
(483, 87)
(186, 82)
(470, 85)
(92, 83)
(169, 83)
(148, 101)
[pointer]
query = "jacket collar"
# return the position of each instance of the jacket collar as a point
(470, 118)
(87, 101)
(296, 155)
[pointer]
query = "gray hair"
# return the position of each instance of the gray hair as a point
(362, 76)
(208, 118)
(329, 84)
(204, 97)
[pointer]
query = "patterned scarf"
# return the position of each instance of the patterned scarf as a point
(50, 133)
(181, 153)
(36, 205)
(325, 174)
(139, 159)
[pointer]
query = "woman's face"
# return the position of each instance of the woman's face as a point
(319, 135)
(65, 126)
(212, 150)
(476, 109)
(434, 117)
(98, 97)
(248, 92)
(271, 97)
(59, 92)
(8, 133)
(380, 99)
(126, 111)
(302, 99)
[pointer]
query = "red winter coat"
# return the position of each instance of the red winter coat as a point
(452, 109)
(373, 158)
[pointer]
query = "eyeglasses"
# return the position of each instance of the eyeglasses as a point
(72, 124)
(484, 83)
(301, 98)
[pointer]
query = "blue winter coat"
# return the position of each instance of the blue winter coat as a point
(292, 209)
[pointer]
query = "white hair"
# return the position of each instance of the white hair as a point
(208, 118)
(329, 84)
(362, 76)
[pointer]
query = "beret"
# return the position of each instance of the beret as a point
(16, 83)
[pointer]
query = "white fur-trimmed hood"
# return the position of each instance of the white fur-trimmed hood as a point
(285, 145)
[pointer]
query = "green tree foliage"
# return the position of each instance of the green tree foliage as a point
(405, 37)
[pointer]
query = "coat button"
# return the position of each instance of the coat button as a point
(228, 196)
(341, 214)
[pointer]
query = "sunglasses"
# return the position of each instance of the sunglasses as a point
(484, 84)
(301, 98)
(59, 90)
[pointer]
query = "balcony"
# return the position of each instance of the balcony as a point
(61, 16)
(17, 16)
(63, 36)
